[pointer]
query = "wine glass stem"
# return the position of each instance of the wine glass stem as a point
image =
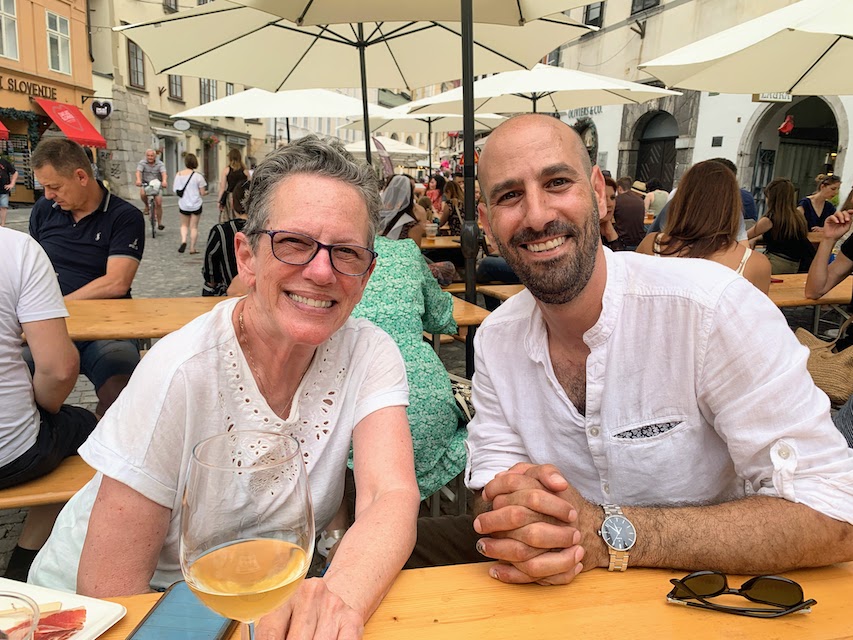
(247, 631)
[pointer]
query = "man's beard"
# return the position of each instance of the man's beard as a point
(561, 279)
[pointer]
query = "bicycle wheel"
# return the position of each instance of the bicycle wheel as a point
(153, 219)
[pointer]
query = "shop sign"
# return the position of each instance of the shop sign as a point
(584, 112)
(772, 97)
(34, 89)
(101, 110)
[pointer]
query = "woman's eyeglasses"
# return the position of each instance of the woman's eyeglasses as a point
(298, 249)
(781, 595)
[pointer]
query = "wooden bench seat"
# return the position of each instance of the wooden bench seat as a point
(56, 487)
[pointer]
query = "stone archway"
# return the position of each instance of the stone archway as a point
(820, 128)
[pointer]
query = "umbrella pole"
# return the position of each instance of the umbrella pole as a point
(287, 127)
(470, 231)
(534, 104)
(429, 147)
(365, 115)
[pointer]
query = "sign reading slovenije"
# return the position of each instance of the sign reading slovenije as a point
(34, 89)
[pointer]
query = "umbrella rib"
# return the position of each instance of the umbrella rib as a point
(301, 58)
(814, 64)
(521, 20)
(566, 24)
(338, 39)
(482, 46)
(623, 97)
(301, 18)
(394, 59)
(392, 35)
(214, 48)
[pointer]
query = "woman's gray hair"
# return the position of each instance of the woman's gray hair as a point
(313, 156)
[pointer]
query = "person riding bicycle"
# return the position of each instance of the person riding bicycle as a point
(147, 171)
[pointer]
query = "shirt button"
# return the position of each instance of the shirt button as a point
(606, 488)
(594, 432)
(784, 452)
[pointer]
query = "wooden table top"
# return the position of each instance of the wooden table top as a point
(463, 603)
(788, 293)
(440, 242)
(141, 318)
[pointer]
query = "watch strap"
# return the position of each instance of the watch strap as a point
(618, 558)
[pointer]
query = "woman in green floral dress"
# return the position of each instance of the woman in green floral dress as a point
(404, 299)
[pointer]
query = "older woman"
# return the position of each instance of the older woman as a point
(286, 358)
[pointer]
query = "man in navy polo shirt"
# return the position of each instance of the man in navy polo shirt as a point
(94, 240)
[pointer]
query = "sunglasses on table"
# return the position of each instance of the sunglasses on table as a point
(781, 595)
(298, 249)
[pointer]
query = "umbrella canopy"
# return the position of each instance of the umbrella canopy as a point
(301, 103)
(506, 12)
(543, 88)
(400, 152)
(226, 39)
(402, 122)
(801, 49)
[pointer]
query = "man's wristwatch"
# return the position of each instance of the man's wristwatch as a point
(619, 535)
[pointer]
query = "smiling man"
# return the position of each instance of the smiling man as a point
(622, 420)
(94, 240)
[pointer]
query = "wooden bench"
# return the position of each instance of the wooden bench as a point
(56, 487)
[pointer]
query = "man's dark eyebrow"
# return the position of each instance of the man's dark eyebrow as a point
(551, 170)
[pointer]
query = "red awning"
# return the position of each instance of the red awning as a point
(4, 132)
(72, 122)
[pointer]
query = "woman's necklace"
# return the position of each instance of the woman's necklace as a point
(245, 342)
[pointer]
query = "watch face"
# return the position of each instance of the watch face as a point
(619, 533)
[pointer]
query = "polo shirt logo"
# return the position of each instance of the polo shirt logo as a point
(133, 245)
(97, 236)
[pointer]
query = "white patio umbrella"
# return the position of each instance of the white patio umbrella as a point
(399, 151)
(299, 103)
(543, 88)
(397, 120)
(222, 40)
(804, 49)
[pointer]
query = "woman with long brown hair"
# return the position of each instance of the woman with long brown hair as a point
(703, 222)
(452, 212)
(233, 174)
(784, 230)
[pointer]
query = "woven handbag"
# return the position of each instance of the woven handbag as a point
(831, 370)
(462, 393)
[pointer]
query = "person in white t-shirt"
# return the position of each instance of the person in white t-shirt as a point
(37, 431)
(190, 187)
(647, 430)
(285, 358)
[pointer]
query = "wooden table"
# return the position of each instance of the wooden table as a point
(440, 242)
(463, 603)
(136, 318)
(791, 293)
(500, 291)
(141, 318)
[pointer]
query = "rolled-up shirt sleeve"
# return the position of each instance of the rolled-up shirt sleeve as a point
(757, 392)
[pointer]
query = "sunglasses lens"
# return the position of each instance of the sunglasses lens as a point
(774, 591)
(705, 584)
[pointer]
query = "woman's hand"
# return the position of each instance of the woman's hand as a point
(314, 612)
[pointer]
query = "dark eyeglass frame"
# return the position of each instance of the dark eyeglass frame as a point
(319, 245)
(674, 597)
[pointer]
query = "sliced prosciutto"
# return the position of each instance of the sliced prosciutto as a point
(53, 626)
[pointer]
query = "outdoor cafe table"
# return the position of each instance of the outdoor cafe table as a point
(145, 318)
(463, 603)
(440, 242)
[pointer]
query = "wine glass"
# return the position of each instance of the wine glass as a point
(247, 523)
(19, 616)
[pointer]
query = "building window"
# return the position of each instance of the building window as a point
(136, 65)
(176, 87)
(58, 43)
(594, 14)
(8, 30)
(200, 2)
(207, 90)
(642, 5)
(229, 88)
(553, 59)
(170, 6)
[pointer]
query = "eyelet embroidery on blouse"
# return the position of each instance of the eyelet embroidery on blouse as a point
(314, 406)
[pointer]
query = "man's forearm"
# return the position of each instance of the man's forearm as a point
(100, 288)
(754, 535)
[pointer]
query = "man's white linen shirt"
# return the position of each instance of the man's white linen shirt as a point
(696, 393)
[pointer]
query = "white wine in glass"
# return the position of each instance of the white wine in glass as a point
(247, 523)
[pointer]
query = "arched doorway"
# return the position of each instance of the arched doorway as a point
(656, 155)
(807, 150)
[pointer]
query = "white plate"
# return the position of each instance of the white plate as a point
(100, 614)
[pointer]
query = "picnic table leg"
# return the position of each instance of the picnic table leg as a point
(469, 352)
(816, 321)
